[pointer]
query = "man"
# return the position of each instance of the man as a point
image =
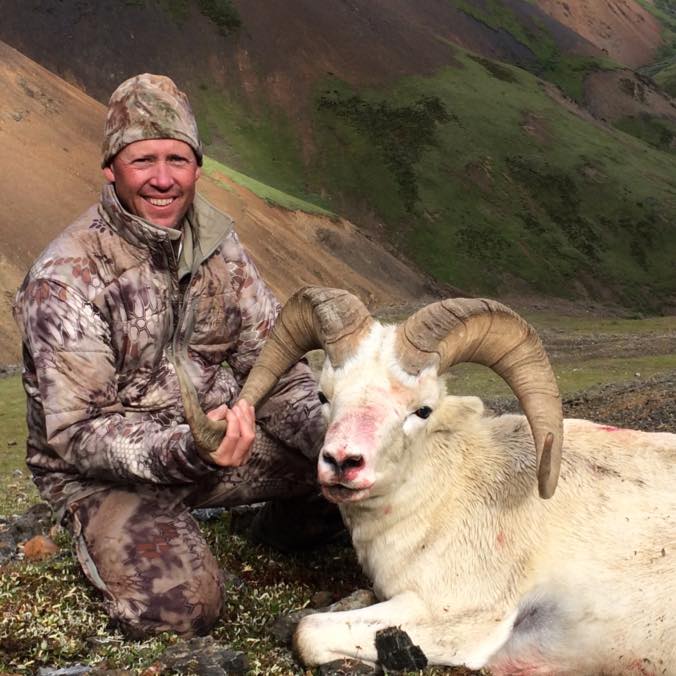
(100, 312)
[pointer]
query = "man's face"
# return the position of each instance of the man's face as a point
(155, 179)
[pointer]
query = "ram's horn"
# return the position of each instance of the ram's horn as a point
(313, 318)
(486, 332)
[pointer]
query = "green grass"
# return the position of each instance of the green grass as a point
(573, 376)
(50, 616)
(213, 168)
(666, 78)
(255, 135)
(665, 12)
(657, 132)
(17, 492)
(567, 71)
(223, 14)
(572, 326)
(494, 182)
(566, 201)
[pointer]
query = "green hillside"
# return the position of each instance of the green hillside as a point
(513, 183)
(549, 61)
(481, 178)
(476, 169)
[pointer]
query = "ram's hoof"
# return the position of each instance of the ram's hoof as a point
(397, 652)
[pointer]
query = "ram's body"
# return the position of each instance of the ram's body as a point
(445, 505)
(469, 561)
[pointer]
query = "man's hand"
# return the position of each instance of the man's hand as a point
(237, 443)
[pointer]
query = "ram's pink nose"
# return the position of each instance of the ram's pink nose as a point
(343, 464)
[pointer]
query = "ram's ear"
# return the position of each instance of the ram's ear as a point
(454, 411)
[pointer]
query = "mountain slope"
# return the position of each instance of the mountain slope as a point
(487, 140)
(50, 133)
(623, 29)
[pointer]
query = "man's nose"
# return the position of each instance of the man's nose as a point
(162, 177)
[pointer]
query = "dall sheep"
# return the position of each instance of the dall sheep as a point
(441, 501)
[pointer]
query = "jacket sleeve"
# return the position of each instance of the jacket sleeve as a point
(292, 413)
(86, 424)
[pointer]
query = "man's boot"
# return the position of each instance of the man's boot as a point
(293, 524)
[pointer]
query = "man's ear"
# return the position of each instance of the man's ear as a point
(109, 174)
(198, 173)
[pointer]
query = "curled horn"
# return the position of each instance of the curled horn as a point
(489, 333)
(312, 318)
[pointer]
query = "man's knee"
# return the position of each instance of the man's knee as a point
(148, 557)
(188, 609)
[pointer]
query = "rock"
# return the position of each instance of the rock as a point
(361, 598)
(7, 547)
(232, 581)
(203, 656)
(206, 514)
(78, 669)
(74, 670)
(13, 530)
(39, 547)
(321, 599)
(283, 627)
(37, 520)
(11, 369)
(242, 517)
(347, 668)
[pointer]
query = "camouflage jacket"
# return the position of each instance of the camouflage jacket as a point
(98, 312)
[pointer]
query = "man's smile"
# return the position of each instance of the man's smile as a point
(160, 201)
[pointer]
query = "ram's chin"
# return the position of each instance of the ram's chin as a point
(342, 494)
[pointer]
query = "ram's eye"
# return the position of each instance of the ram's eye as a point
(424, 412)
(322, 398)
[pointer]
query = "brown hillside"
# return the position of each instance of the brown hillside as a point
(623, 29)
(281, 50)
(50, 134)
(612, 95)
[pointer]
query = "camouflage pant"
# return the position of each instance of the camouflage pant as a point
(140, 546)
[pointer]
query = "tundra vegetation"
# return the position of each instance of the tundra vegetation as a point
(49, 615)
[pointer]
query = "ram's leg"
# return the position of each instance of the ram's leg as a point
(358, 634)
(324, 637)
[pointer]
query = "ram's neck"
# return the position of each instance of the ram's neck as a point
(450, 506)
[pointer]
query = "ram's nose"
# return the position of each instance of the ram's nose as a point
(344, 464)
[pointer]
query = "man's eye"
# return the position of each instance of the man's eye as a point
(322, 398)
(423, 412)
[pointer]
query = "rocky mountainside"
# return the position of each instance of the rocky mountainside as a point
(501, 145)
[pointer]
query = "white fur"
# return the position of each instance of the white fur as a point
(469, 561)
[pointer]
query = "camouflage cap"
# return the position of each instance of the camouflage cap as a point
(147, 107)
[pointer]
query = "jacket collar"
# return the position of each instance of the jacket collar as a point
(203, 229)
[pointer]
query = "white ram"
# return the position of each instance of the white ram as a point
(441, 499)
